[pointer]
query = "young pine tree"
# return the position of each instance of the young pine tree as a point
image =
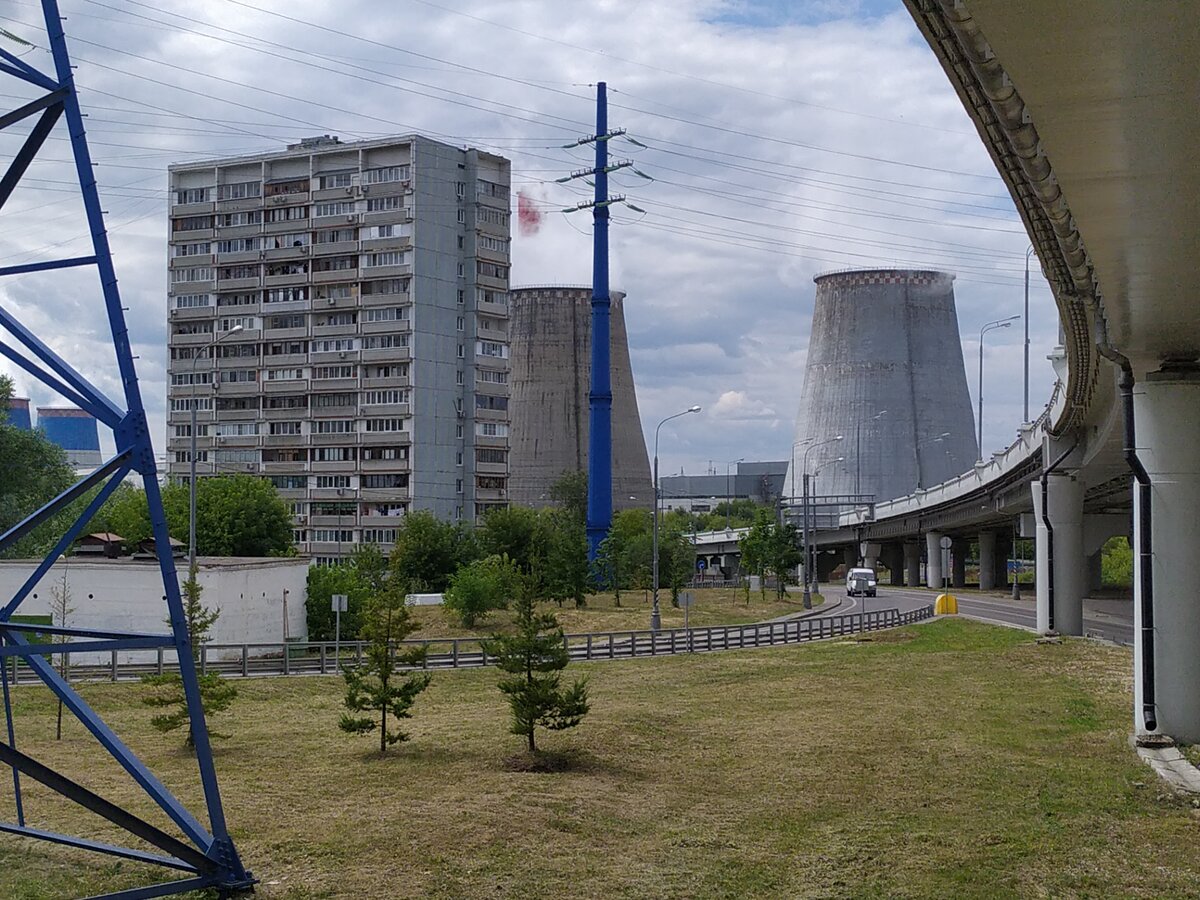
(60, 615)
(533, 658)
(376, 687)
(216, 694)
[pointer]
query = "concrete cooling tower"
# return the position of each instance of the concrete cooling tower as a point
(550, 332)
(75, 431)
(885, 371)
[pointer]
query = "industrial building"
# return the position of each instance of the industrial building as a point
(69, 427)
(551, 329)
(762, 482)
(885, 371)
(17, 414)
(338, 316)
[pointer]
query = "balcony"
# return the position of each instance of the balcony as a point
(284, 385)
(179, 210)
(285, 360)
(239, 389)
(292, 280)
(376, 438)
(239, 284)
(335, 248)
(335, 275)
(335, 384)
(399, 382)
(386, 299)
(320, 331)
(283, 334)
(383, 465)
(284, 440)
(387, 355)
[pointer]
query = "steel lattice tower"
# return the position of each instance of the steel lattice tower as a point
(206, 854)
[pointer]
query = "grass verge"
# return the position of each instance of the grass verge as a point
(953, 759)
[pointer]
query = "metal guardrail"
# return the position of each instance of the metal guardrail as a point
(320, 657)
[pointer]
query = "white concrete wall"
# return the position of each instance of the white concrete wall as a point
(127, 595)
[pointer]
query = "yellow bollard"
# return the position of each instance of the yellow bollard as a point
(945, 605)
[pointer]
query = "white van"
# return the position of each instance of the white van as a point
(860, 581)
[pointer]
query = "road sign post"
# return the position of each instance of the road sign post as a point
(339, 604)
(686, 600)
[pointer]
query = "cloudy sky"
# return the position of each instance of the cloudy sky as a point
(780, 138)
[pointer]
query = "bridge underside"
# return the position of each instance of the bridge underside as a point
(1089, 112)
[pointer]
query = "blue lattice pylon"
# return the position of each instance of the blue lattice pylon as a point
(207, 855)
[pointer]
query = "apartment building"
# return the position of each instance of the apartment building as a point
(338, 317)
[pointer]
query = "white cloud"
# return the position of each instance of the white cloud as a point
(718, 272)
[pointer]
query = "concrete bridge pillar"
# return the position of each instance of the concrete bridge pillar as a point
(958, 563)
(1095, 573)
(893, 558)
(870, 554)
(912, 564)
(1004, 549)
(850, 557)
(933, 559)
(1168, 440)
(1064, 508)
(987, 560)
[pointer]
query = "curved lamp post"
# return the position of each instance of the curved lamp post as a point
(655, 618)
(1026, 409)
(990, 326)
(208, 349)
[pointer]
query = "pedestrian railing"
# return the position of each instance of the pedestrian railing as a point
(326, 657)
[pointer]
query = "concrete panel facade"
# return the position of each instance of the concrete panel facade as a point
(551, 333)
(886, 341)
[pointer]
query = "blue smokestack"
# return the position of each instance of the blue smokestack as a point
(75, 431)
(18, 414)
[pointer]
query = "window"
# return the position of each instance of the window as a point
(458, 457)
(387, 258)
(487, 295)
(322, 372)
(287, 214)
(284, 241)
(192, 195)
(462, 217)
(491, 324)
(333, 454)
(236, 429)
(296, 320)
(192, 301)
(200, 273)
(458, 431)
(490, 376)
(491, 429)
(285, 456)
(336, 180)
(460, 351)
(461, 242)
(237, 351)
(337, 318)
(237, 299)
(285, 295)
(238, 245)
(333, 535)
(335, 292)
(380, 398)
(238, 376)
(461, 323)
(333, 481)
(288, 186)
(334, 345)
(184, 379)
(334, 235)
(334, 208)
(283, 428)
(392, 453)
(193, 328)
(333, 426)
(398, 370)
(289, 482)
(385, 313)
(494, 244)
(186, 431)
(248, 323)
(460, 189)
(491, 455)
(462, 296)
(384, 204)
(285, 348)
(192, 223)
(287, 267)
(379, 535)
(237, 456)
(491, 482)
(385, 481)
(285, 374)
(243, 271)
(237, 403)
(285, 401)
(333, 508)
(237, 219)
(489, 215)
(332, 401)
(491, 189)
(458, 376)
(387, 286)
(239, 190)
(335, 264)
(458, 485)
(491, 348)
(201, 249)
(384, 341)
(487, 401)
(380, 425)
(491, 269)
(388, 173)
(183, 456)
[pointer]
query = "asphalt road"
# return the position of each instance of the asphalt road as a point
(1109, 620)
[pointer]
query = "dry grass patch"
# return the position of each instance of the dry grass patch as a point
(953, 759)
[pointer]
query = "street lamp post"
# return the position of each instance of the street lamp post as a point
(917, 450)
(1026, 412)
(655, 618)
(208, 348)
(990, 326)
(805, 536)
(729, 490)
(796, 444)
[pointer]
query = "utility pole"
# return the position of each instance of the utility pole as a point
(599, 507)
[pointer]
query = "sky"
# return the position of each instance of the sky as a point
(775, 140)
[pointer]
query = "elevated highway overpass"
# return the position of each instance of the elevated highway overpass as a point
(1089, 112)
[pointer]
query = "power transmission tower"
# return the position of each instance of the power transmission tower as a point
(206, 854)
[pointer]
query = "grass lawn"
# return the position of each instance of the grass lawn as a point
(713, 606)
(948, 760)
